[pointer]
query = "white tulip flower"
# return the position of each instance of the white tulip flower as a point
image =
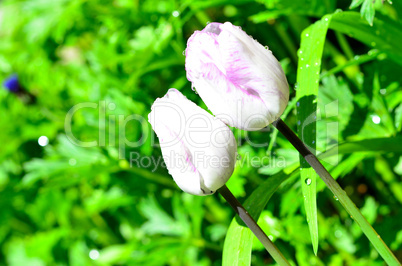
(199, 150)
(239, 80)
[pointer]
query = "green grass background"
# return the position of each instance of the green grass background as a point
(60, 203)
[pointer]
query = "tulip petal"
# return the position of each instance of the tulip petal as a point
(198, 149)
(237, 78)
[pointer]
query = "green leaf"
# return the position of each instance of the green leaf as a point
(374, 145)
(385, 34)
(368, 11)
(308, 74)
(239, 238)
(355, 3)
(276, 9)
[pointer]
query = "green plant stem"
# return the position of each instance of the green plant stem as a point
(339, 193)
(249, 221)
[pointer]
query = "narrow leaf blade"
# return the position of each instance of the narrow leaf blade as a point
(307, 79)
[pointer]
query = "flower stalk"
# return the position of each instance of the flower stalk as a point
(338, 192)
(254, 227)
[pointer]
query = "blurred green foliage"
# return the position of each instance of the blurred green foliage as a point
(67, 204)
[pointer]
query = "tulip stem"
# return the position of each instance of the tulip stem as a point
(339, 193)
(250, 222)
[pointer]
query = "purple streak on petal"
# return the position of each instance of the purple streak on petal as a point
(213, 27)
(12, 84)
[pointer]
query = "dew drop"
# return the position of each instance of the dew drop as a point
(313, 142)
(300, 52)
(307, 65)
(302, 58)
(306, 34)
(43, 141)
(208, 22)
(383, 91)
(326, 19)
(266, 47)
(298, 122)
(298, 104)
(336, 198)
(194, 89)
(376, 119)
(175, 13)
(308, 181)
(94, 254)
(184, 52)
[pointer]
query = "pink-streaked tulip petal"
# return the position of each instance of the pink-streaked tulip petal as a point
(198, 149)
(239, 80)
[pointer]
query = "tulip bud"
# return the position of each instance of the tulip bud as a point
(239, 80)
(198, 149)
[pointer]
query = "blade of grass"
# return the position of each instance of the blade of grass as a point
(308, 75)
(238, 241)
(339, 194)
(385, 34)
(251, 223)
